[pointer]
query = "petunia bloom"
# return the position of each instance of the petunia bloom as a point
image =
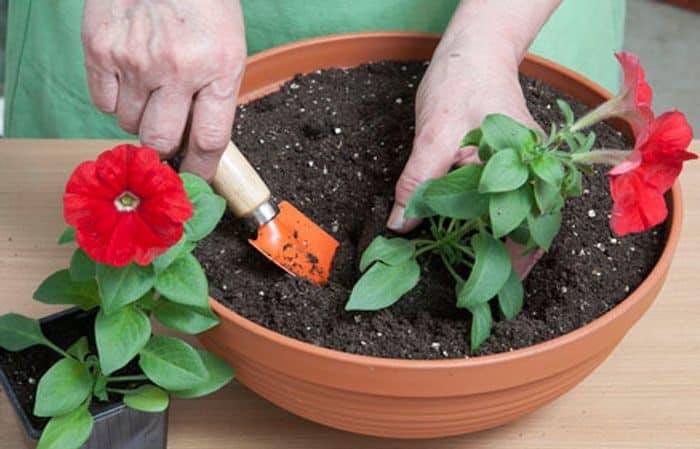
(637, 191)
(632, 103)
(127, 206)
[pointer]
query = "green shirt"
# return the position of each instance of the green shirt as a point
(46, 88)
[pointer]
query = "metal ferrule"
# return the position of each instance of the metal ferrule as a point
(264, 213)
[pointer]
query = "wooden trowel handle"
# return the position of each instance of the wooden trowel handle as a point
(238, 182)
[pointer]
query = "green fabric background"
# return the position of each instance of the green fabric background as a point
(46, 90)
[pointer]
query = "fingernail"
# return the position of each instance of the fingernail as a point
(396, 219)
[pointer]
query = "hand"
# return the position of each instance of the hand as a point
(154, 63)
(474, 72)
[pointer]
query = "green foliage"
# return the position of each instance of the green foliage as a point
(390, 251)
(82, 268)
(120, 286)
(382, 285)
(184, 282)
(67, 431)
(68, 236)
(61, 288)
(120, 336)
(182, 247)
(482, 321)
(219, 374)
(187, 319)
(517, 193)
(172, 364)
(208, 207)
(65, 386)
(508, 209)
(490, 272)
(80, 349)
(18, 332)
(147, 398)
(511, 295)
(456, 195)
(505, 171)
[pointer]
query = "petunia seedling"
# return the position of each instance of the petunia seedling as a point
(518, 193)
(136, 223)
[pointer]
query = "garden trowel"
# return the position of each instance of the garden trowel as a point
(285, 235)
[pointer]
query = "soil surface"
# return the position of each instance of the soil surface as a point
(23, 369)
(333, 143)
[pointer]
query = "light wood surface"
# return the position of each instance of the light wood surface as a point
(646, 395)
(238, 182)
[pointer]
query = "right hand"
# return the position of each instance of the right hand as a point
(154, 63)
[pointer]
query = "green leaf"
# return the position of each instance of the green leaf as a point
(208, 210)
(68, 236)
(501, 132)
(184, 282)
(586, 143)
(60, 288)
(172, 364)
(417, 207)
(183, 246)
(68, 431)
(549, 169)
(456, 194)
(521, 234)
(120, 336)
(503, 172)
(120, 286)
(544, 228)
(485, 151)
(220, 373)
(194, 185)
(510, 297)
(547, 196)
(18, 332)
(147, 302)
(390, 251)
(382, 285)
(472, 138)
(481, 324)
(187, 319)
(62, 388)
(508, 209)
(100, 389)
(147, 398)
(566, 110)
(572, 185)
(82, 267)
(80, 349)
(490, 272)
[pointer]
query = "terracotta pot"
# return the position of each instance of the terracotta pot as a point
(408, 398)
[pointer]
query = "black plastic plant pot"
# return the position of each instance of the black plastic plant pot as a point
(115, 427)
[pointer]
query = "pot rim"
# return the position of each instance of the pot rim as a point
(673, 226)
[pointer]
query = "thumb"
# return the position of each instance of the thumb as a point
(428, 160)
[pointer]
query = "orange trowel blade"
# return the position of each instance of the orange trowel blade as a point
(297, 244)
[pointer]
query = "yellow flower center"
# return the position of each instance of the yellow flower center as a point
(126, 202)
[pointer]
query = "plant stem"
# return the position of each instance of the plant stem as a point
(427, 248)
(451, 269)
(451, 226)
(135, 377)
(465, 250)
(117, 390)
(608, 157)
(58, 350)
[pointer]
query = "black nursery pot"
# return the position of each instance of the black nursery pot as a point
(116, 427)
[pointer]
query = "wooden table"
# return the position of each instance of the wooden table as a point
(647, 395)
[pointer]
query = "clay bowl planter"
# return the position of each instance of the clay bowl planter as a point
(413, 398)
(115, 427)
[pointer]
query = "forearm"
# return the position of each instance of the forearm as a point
(502, 28)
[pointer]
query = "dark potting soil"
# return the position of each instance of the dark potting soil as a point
(23, 369)
(333, 143)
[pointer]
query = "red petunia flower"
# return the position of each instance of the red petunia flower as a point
(126, 206)
(632, 103)
(637, 191)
